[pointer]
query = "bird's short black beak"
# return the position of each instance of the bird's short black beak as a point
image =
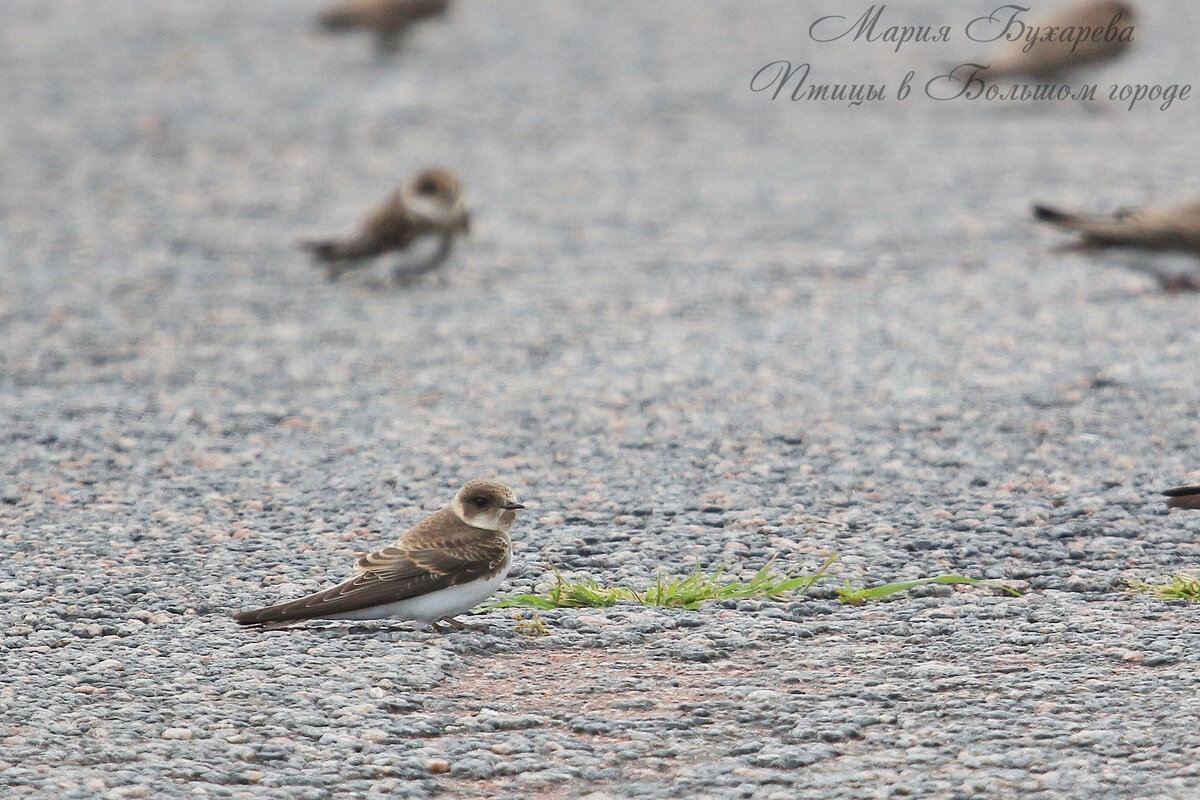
(511, 506)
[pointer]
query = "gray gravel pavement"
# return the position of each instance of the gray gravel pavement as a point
(691, 325)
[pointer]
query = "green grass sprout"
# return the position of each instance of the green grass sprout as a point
(857, 597)
(1181, 587)
(583, 593)
(692, 591)
(688, 592)
(533, 625)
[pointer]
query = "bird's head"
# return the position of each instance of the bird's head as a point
(486, 504)
(435, 194)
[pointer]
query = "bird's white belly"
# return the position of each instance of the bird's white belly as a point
(435, 605)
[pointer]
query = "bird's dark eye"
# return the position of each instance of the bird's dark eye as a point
(427, 187)
(480, 502)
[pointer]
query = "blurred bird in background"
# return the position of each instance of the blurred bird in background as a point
(389, 20)
(429, 204)
(1055, 59)
(1141, 239)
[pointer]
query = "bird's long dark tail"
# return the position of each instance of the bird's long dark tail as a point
(281, 615)
(337, 255)
(1054, 216)
(332, 249)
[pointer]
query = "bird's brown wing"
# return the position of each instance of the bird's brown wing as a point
(367, 14)
(1183, 497)
(389, 227)
(424, 9)
(440, 552)
(439, 544)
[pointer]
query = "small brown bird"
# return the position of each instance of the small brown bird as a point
(429, 204)
(1049, 60)
(1158, 230)
(1183, 497)
(445, 565)
(389, 20)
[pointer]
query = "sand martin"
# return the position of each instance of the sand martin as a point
(451, 561)
(1052, 56)
(1183, 497)
(429, 204)
(1140, 236)
(389, 20)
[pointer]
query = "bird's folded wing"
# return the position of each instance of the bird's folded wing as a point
(1184, 497)
(417, 560)
(361, 591)
(1123, 224)
(390, 226)
(1160, 227)
(441, 544)
(395, 573)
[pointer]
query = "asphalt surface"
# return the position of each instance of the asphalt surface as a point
(692, 325)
